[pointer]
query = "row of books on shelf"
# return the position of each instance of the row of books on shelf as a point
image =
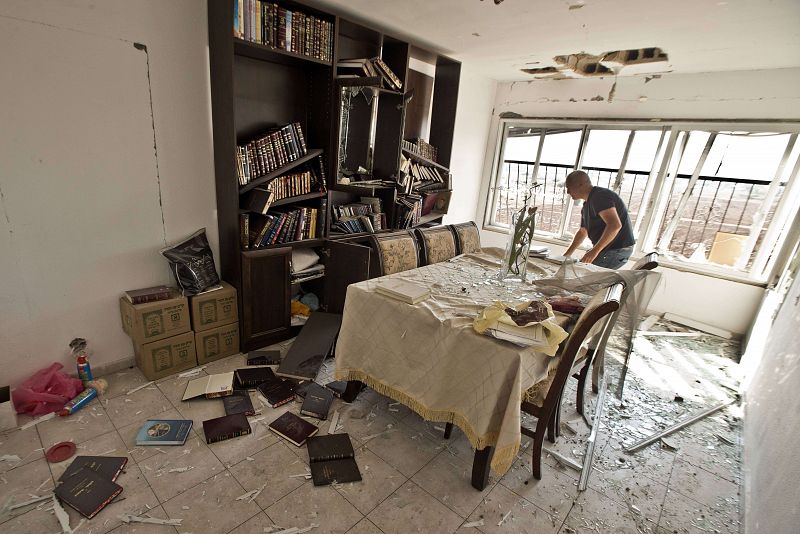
(419, 177)
(408, 210)
(258, 231)
(371, 68)
(269, 152)
(358, 224)
(259, 199)
(421, 148)
(272, 25)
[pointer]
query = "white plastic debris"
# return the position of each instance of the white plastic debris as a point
(192, 372)
(473, 524)
(37, 421)
(62, 516)
(129, 518)
(134, 390)
(10, 458)
(181, 469)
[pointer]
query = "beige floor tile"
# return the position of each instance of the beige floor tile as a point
(653, 462)
(136, 498)
(121, 382)
(199, 410)
(84, 425)
(24, 481)
(365, 526)
(194, 454)
(594, 512)
(702, 486)
(555, 492)
(34, 521)
(379, 480)
(24, 444)
(271, 468)
(682, 514)
(109, 444)
(505, 511)
(450, 480)
(140, 453)
(629, 487)
(318, 505)
(173, 387)
(412, 509)
(254, 525)
(226, 365)
(403, 448)
(147, 528)
(212, 505)
(143, 404)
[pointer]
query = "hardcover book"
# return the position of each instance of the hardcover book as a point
(251, 377)
(293, 428)
(264, 357)
(239, 402)
(338, 387)
(164, 432)
(211, 386)
(332, 459)
(226, 427)
(87, 491)
(107, 466)
(276, 392)
(148, 294)
(317, 401)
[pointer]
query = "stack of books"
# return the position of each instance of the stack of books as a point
(408, 210)
(372, 69)
(422, 178)
(89, 483)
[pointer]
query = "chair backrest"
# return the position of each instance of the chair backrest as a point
(436, 244)
(648, 262)
(396, 252)
(468, 238)
(599, 312)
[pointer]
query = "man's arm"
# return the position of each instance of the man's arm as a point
(613, 226)
(576, 241)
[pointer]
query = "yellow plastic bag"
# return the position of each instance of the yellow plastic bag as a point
(544, 336)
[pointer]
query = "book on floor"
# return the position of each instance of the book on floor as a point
(332, 459)
(276, 392)
(317, 401)
(87, 491)
(226, 427)
(338, 387)
(108, 466)
(211, 386)
(264, 357)
(164, 432)
(239, 402)
(294, 428)
(251, 377)
(402, 290)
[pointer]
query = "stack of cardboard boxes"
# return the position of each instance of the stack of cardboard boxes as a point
(164, 340)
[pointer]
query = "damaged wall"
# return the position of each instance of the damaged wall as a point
(771, 424)
(768, 94)
(93, 182)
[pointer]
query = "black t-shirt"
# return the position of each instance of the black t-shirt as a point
(601, 199)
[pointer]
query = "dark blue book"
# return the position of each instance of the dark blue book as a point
(164, 432)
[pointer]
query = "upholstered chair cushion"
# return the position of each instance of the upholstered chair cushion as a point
(438, 244)
(469, 239)
(398, 253)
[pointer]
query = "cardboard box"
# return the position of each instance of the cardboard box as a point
(217, 343)
(167, 356)
(214, 308)
(154, 321)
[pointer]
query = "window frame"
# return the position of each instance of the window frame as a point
(655, 197)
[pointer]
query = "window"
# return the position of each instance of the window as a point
(708, 195)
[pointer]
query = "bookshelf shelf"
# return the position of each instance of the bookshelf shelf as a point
(275, 55)
(302, 243)
(363, 190)
(298, 198)
(277, 172)
(425, 219)
(304, 280)
(425, 161)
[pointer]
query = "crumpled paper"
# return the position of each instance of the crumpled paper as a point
(494, 317)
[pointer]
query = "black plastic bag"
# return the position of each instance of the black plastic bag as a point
(192, 263)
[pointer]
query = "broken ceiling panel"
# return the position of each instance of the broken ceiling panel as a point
(631, 61)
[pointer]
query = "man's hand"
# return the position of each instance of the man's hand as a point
(590, 256)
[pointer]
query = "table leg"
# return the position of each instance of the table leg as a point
(352, 390)
(480, 467)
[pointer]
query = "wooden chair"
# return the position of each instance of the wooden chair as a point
(437, 244)
(648, 262)
(544, 398)
(468, 238)
(395, 253)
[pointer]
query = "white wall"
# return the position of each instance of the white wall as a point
(471, 133)
(93, 184)
(771, 462)
(768, 95)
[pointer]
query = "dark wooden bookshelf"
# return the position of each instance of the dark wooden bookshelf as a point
(413, 156)
(277, 172)
(275, 55)
(299, 198)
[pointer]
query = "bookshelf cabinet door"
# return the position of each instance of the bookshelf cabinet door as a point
(347, 264)
(266, 310)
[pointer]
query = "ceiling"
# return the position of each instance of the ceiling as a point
(500, 39)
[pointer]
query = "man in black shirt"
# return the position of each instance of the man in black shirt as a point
(604, 220)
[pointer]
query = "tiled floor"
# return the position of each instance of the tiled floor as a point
(414, 481)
